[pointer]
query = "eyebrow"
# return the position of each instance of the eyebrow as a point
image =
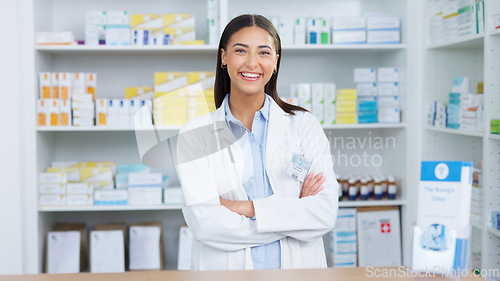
(246, 46)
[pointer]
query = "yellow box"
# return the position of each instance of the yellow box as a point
(132, 92)
(89, 174)
(98, 164)
(346, 118)
(146, 21)
(178, 34)
(346, 94)
(346, 106)
(178, 20)
(189, 42)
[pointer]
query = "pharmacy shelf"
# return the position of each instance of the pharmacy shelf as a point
(475, 40)
(371, 203)
(104, 129)
(456, 132)
(176, 128)
(373, 48)
(494, 137)
(493, 231)
(108, 208)
(365, 126)
(495, 32)
(83, 49)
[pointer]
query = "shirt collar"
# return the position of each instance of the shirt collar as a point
(264, 111)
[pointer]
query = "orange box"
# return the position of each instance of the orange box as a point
(42, 112)
(45, 85)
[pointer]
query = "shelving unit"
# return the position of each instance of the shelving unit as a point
(494, 137)
(476, 40)
(477, 57)
(456, 132)
(132, 66)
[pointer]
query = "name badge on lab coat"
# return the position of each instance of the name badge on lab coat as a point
(299, 167)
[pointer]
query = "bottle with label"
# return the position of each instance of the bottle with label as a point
(370, 186)
(383, 180)
(377, 188)
(353, 188)
(345, 186)
(364, 188)
(391, 187)
(339, 181)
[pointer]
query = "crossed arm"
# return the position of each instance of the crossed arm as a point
(311, 186)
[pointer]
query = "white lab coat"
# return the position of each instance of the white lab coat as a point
(223, 239)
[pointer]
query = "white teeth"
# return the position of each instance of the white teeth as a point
(250, 75)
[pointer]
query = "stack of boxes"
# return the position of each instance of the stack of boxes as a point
(346, 106)
(349, 30)
(318, 98)
(181, 96)
(117, 28)
(83, 110)
(383, 30)
(91, 183)
(339, 30)
(366, 88)
(452, 20)
(302, 92)
(56, 90)
(95, 28)
(330, 104)
(52, 189)
(318, 31)
(163, 29)
(343, 241)
(317, 101)
(80, 194)
(437, 114)
(388, 95)
(125, 113)
(465, 110)
(467, 18)
(213, 22)
(144, 189)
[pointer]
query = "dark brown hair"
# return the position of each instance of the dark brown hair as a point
(222, 79)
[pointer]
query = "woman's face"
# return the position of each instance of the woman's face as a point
(251, 59)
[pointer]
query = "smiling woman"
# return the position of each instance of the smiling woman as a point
(248, 202)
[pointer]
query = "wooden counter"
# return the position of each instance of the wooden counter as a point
(336, 274)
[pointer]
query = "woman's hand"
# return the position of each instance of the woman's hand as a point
(244, 208)
(312, 185)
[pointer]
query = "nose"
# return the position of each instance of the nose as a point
(252, 61)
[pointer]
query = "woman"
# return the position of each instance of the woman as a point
(243, 208)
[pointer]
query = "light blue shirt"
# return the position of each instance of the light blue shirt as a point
(255, 180)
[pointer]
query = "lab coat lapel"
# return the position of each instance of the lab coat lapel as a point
(276, 132)
(235, 163)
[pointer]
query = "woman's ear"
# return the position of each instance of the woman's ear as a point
(223, 56)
